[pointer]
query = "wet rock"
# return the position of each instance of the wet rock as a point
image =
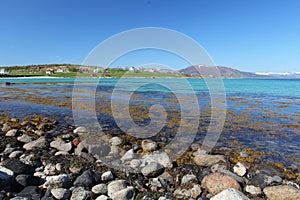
(58, 181)
(31, 192)
(230, 194)
(116, 186)
(149, 145)
(188, 193)
(17, 166)
(100, 189)
(15, 154)
(60, 193)
(206, 160)
(115, 141)
(161, 158)
(129, 155)
(27, 180)
(251, 189)
(24, 138)
(239, 169)
(61, 145)
(273, 179)
(12, 133)
(39, 143)
(243, 154)
(217, 182)
(260, 180)
(124, 194)
(80, 130)
(188, 179)
(282, 192)
(102, 197)
(5, 128)
(87, 179)
(97, 150)
(6, 177)
(152, 169)
(107, 176)
(79, 193)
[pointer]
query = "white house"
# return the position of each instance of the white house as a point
(49, 71)
(60, 70)
(3, 71)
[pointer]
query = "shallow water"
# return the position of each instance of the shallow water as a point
(263, 114)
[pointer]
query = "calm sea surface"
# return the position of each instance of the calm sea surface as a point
(262, 114)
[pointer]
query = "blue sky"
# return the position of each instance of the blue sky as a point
(249, 35)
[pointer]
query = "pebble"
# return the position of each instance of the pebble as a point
(217, 182)
(17, 166)
(31, 192)
(251, 189)
(188, 193)
(50, 169)
(188, 179)
(61, 145)
(161, 158)
(115, 141)
(153, 169)
(107, 176)
(115, 186)
(15, 154)
(239, 169)
(218, 167)
(124, 194)
(80, 130)
(230, 194)
(102, 197)
(39, 143)
(27, 180)
(5, 128)
(24, 138)
(6, 177)
(11, 133)
(149, 145)
(206, 160)
(57, 181)
(79, 193)
(135, 163)
(282, 192)
(87, 179)
(60, 193)
(129, 155)
(100, 189)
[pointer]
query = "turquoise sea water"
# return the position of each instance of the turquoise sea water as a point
(263, 114)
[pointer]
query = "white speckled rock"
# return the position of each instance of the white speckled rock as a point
(149, 145)
(24, 138)
(239, 169)
(189, 178)
(284, 192)
(251, 189)
(116, 141)
(230, 194)
(60, 193)
(115, 186)
(39, 143)
(61, 145)
(100, 189)
(124, 194)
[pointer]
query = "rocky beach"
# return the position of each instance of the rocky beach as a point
(42, 158)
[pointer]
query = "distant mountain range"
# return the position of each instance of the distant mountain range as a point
(217, 71)
(227, 72)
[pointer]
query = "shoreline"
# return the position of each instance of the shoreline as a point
(57, 157)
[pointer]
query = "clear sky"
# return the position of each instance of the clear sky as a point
(249, 35)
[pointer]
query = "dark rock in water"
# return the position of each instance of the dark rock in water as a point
(31, 192)
(87, 179)
(17, 166)
(26, 180)
(260, 180)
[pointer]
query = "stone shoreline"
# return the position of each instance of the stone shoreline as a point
(37, 162)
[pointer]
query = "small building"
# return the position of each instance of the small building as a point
(49, 71)
(3, 71)
(132, 69)
(60, 70)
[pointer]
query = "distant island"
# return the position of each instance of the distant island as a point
(195, 71)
